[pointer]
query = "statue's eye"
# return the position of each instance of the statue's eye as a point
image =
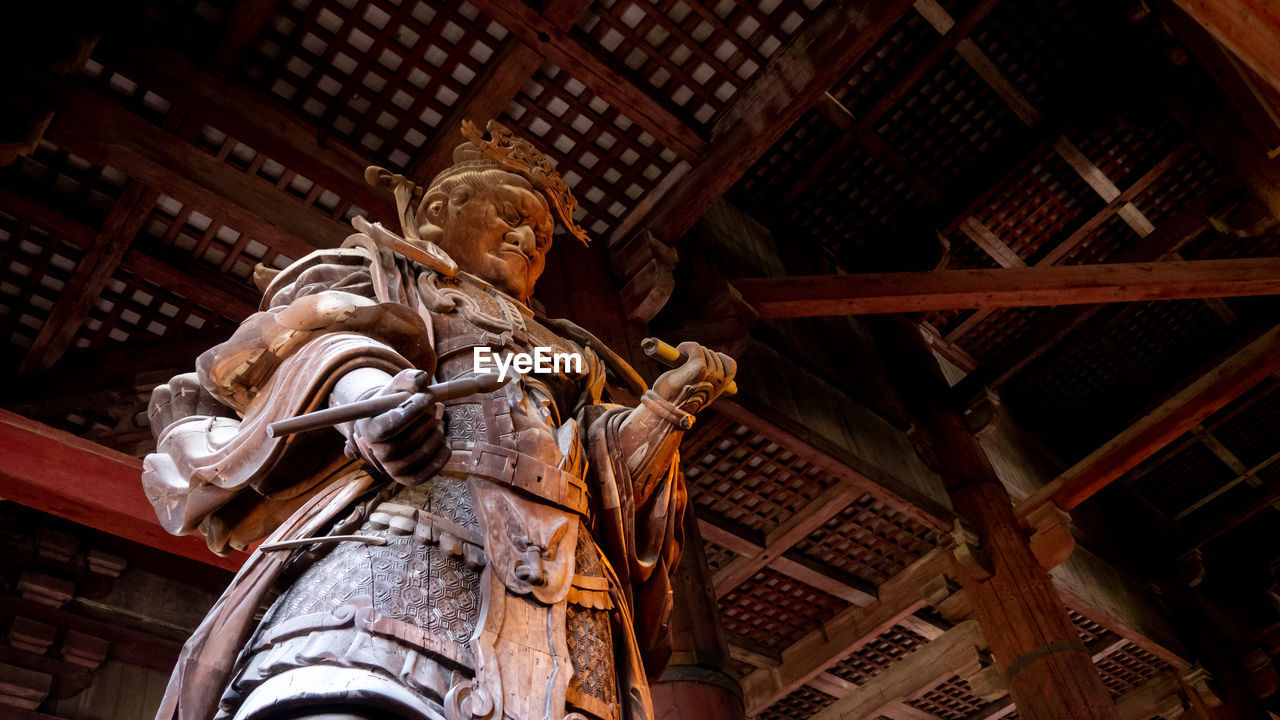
(509, 215)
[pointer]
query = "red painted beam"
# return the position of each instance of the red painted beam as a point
(907, 292)
(77, 479)
(1249, 28)
(1188, 408)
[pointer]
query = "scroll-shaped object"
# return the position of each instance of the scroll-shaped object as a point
(671, 357)
(440, 392)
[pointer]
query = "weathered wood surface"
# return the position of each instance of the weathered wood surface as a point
(793, 81)
(1186, 409)
(1249, 28)
(87, 483)
(966, 289)
(898, 597)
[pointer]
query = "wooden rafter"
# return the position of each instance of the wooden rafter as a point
(90, 277)
(255, 119)
(46, 468)
(1176, 231)
(1250, 29)
(866, 124)
(955, 653)
(793, 81)
(1186, 409)
(986, 288)
(898, 597)
(105, 133)
(490, 93)
(552, 40)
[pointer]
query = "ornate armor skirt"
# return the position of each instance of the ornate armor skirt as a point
(395, 628)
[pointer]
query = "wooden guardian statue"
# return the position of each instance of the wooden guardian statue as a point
(438, 544)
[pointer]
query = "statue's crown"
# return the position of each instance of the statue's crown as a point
(519, 156)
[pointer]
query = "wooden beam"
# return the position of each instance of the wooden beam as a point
(105, 133)
(970, 288)
(73, 478)
(91, 275)
(791, 531)
(793, 566)
(867, 123)
(214, 290)
(996, 710)
(1176, 231)
(1186, 409)
(489, 95)
(786, 88)
(956, 652)
(898, 597)
(556, 44)
(257, 120)
(1248, 28)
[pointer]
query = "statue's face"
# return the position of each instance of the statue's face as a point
(501, 235)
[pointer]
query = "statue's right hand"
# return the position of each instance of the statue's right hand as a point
(407, 442)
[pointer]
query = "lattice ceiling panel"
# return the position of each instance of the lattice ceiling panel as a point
(696, 56)
(1169, 339)
(717, 556)
(607, 159)
(878, 655)
(1190, 177)
(775, 610)
(998, 329)
(882, 68)
(1123, 151)
(948, 122)
(1128, 668)
(1079, 379)
(209, 242)
(952, 700)
(789, 158)
(131, 308)
(857, 211)
(746, 479)
(380, 74)
(803, 703)
(1111, 237)
(1088, 629)
(1031, 41)
(1253, 435)
(36, 263)
(66, 182)
(868, 540)
(1037, 209)
(1183, 478)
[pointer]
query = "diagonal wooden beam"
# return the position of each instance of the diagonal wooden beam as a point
(1176, 231)
(105, 133)
(556, 44)
(1250, 29)
(985, 288)
(488, 96)
(90, 277)
(955, 653)
(1155, 697)
(82, 481)
(867, 123)
(1189, 407)
(255, 119)
(786, 88)
(898, 597)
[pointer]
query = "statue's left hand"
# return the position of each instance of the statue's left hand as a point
(699, 380)
(407, 442)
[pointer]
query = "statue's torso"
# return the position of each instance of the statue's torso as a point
(446, 598)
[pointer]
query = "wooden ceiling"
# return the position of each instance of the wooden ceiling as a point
(193, 140)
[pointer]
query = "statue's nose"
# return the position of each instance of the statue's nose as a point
(523, 238)
(530, 570)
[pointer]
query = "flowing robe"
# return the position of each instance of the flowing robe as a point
(440, 605)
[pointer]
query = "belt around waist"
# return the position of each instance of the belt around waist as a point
(522, 472)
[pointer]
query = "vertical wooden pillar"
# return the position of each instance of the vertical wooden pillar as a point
(1050, 673)
(695, 685)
